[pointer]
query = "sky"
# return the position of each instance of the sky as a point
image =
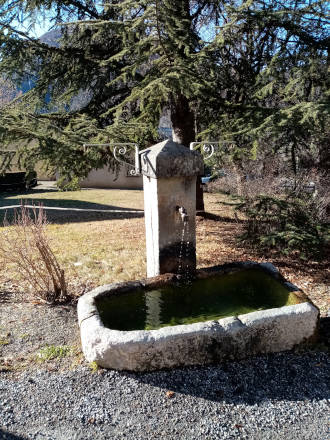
(43, 25)
(39, 29)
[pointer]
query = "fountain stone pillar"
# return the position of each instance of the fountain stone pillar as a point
(169, 183)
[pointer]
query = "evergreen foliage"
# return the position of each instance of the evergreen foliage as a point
(291, 224)
(252, 71)
(278, 100)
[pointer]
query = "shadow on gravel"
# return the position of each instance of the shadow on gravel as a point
(4, 435)
(283, 377)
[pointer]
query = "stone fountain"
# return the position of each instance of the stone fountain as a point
(169, 184)
(169, 179)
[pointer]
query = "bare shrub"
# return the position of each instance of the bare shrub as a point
(25, 246)
(311, 185)
(226, 184)
(237, 183)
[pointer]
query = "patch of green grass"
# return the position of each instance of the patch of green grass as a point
(93, 366)
(4, 337)
(4, 341)
(50, 352)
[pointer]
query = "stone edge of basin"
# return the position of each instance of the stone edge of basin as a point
(265, 331)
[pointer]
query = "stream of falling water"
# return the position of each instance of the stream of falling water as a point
(184, 254)
(183, 233)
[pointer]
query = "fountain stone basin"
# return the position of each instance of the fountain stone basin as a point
(129, 326)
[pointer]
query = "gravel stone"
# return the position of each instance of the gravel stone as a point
(277, 396)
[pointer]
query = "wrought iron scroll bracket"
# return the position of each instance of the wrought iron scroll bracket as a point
(208, 148)
(119, 152)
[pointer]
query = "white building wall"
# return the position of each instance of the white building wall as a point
(105, 178)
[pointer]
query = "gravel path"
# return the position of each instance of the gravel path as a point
(281, 396)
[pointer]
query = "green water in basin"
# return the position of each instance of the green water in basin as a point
(203, 300)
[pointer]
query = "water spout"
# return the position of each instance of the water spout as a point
(183, 212)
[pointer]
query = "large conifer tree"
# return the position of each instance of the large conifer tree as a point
(235, 69)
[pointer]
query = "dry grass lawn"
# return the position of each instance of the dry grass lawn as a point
(98, 248)
(93, 247)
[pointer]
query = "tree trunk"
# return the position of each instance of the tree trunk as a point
(199, 195)
(182, 119)
(294, 158)
(183, 126)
